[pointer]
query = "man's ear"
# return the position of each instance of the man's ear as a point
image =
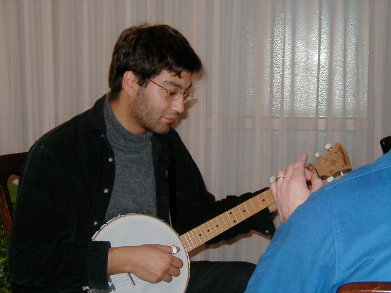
(129, 82)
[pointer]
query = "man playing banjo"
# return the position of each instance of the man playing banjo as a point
(122, 156)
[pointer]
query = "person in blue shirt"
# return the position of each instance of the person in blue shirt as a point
(330, 235)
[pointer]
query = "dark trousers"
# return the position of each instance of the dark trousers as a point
(205, 277)
(219, 277)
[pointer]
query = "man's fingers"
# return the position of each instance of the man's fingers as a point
(303, 159)
(167, 278)
(316, 182)
(172, 249)
(299, 166)
(176, 262)
(174, 272)
(310, 172)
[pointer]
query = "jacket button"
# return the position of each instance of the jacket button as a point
(111, 159)
(106, 190)
(95, 223)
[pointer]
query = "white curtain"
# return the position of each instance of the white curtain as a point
(283, 78)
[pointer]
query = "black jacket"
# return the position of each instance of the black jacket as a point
(65, 191)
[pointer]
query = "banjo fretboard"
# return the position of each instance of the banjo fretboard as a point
(210, 229)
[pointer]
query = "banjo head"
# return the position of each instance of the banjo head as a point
(138, 229)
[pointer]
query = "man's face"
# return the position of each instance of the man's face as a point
(151, 109)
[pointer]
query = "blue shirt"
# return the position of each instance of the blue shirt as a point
(341, 234)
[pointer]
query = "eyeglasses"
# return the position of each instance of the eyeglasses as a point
(174, 95)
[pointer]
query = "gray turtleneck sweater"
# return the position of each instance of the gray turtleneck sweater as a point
(134, 188)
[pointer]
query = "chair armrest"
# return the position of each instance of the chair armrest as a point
(5, 211)
(365, 287)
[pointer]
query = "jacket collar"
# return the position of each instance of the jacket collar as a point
(95, 119)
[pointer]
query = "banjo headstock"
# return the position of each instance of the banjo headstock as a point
(335, 162)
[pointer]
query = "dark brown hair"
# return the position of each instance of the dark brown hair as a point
(147, 50)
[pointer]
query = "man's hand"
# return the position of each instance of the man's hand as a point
(293, 186)
(150, 262)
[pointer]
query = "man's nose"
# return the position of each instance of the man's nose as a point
(178, 105)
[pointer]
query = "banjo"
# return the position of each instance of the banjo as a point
(138, 229)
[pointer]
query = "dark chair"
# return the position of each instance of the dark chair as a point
(365, 287)
(385, 144)
(10, 164)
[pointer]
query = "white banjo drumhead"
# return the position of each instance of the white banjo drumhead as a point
(137, 229)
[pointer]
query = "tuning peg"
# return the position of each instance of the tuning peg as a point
(328, 146)
(317, 155)
(330, 179)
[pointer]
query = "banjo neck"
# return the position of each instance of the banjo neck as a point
(334, 162)
(221, 223)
